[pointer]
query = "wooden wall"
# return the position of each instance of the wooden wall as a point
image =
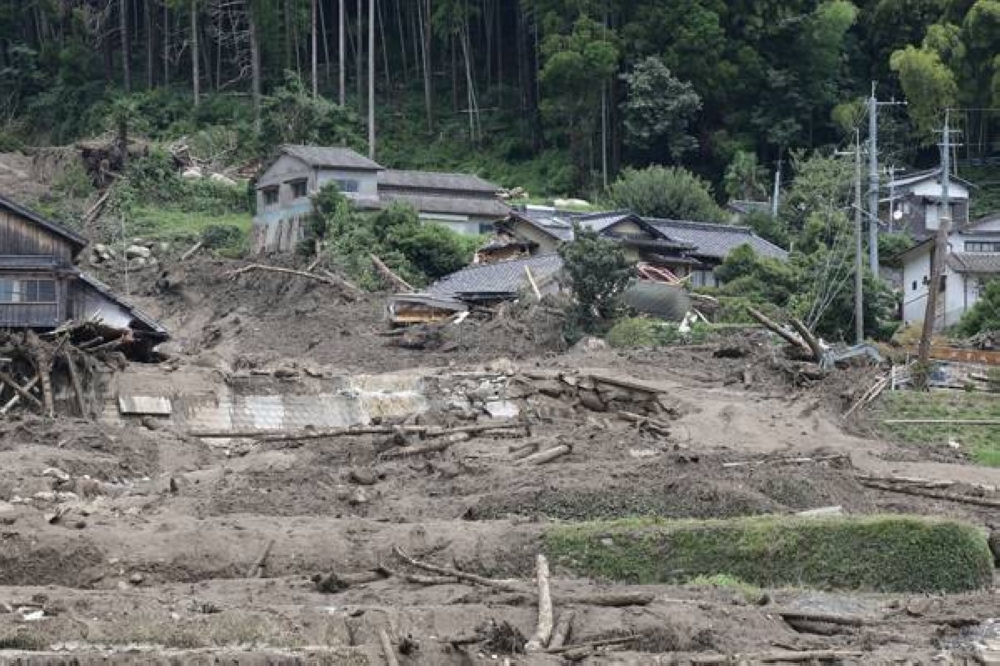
(19, 236)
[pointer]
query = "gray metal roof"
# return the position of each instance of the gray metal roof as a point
(434, 180)
(323, 156)
(452, 205)
(503, 277)
(601, 221)
(140, 316)
(78, 241)
(716, 240)
(974, 262)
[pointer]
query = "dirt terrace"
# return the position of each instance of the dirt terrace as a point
(125, 538)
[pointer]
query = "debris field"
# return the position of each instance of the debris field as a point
(425, 537)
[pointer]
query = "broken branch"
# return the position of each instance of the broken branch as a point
(778, 330)
(505, 585)
(389, 276)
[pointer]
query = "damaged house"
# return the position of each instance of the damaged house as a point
(463, 203)
(41, 288)
(523, 255)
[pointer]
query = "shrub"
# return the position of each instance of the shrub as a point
(985, 314)
(599, 273)
(880, 553)
(632, 333)
(673, 193)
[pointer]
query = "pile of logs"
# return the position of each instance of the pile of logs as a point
(36, 370)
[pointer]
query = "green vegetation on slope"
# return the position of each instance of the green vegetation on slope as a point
(882, 553)
(981, 442)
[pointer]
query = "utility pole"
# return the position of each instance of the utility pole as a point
(891, 171)
(873, 182)
(777, 188)
(315, 55)
(371, 79)
(859, 309)
(873, 185)
(342, 53)
(940, 248)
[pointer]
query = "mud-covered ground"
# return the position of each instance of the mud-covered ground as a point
(116, 538)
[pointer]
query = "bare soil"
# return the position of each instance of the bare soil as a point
(154, 550)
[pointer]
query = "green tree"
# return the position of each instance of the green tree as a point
(658, 110)
(574, 67)
(599, 273)
(929, 87)
(292, 115)
(981, 38)
(745, 178)
(985, 314)
(672, 193)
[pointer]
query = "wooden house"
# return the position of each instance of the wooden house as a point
(41, 288)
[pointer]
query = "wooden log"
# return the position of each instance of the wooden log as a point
(426, 431)
(74, 379)
(547, 455)
(191, 250)
(590, 645)
(933, 494)
(789, 656)
(505, 585)
(543, 629)
(811, 342)
(278, 269)
(561, 632)
(22, 392)
(845, 620)
(387, 648)
(417, 578)
(970, 422)
(257, 570)
(531, 281)
(351, 290)
(777, 330)
(334, 582)
(440, 445)
(786, 461)
(389, 276)
(608, 599)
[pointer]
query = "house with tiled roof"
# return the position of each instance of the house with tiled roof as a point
(464, 203)
(973, 260)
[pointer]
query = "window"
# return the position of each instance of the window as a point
(27, 291)
(347, 185)
(298, 188)
(270, 196)
(914, 286)
(982, 246)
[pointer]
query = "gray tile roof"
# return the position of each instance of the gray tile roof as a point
(433, 180)
(554, 223)
(600, 221)
(504, 277)
(974, 262)
(323, 156)
(453, 205)
(716, 240)
(154, 326)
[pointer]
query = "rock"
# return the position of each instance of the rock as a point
(502, 409)
(56, 473)
(136, 578)
(363, 477)
(995, 546)
(550, 387)
(592, 401)
(222, 179)
(306, 305)
(100, 248)
(358, 498)
(151, 423)
(589, 345)
(138, 251)
(192, 173)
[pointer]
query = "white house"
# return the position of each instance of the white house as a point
(973, 260)
(915, 202)
(462, 202)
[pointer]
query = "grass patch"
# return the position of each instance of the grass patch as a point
(751, 593)
(881, 553)
(982, 443)
(643, 333)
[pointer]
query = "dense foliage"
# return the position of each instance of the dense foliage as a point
(419, 253)
(592, 86)
(671, 193)
(599, 273)
(984, 316)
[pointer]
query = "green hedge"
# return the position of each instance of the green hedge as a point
(881, 553)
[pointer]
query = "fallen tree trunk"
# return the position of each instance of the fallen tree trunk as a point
(505, 585)
(190, 252)
(410, 451)
(278, 269)
(389, 276)
(790, 656)
(426, 431)
(933, 494)
(562, 629)
(777, 330)
(543, 630)
(548, 455)
(387, 648)
(257, 570)
(806, 616)
(811, 342)
(609, 599)
(22, 392)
